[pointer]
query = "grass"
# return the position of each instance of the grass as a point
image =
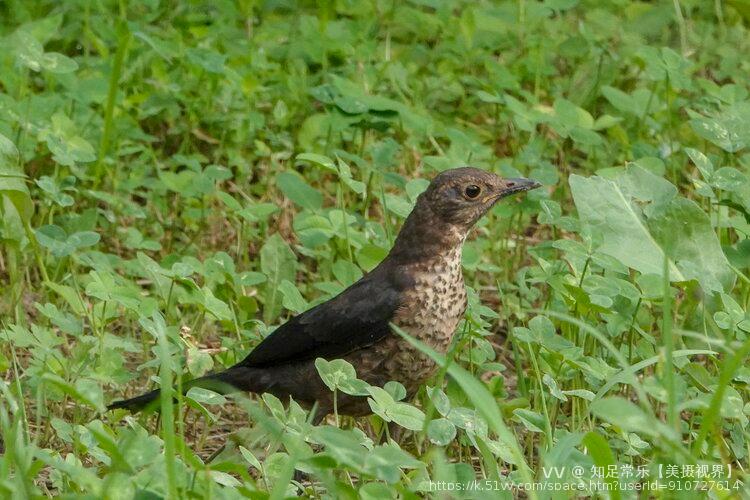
(177, 180)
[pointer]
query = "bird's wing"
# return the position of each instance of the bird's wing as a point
(356, 318)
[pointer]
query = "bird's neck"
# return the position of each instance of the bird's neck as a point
(425, 237)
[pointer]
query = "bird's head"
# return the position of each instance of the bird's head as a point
(461, 196)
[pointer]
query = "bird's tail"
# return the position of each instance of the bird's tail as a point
(236, 378)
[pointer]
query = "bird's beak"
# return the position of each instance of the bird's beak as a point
(517, 185)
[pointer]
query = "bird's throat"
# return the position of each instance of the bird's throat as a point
(425, 237)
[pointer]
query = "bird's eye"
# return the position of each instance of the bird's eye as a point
(472, 191)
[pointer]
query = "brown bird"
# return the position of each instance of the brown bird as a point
(419, 287)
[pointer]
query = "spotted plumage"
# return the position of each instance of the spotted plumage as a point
(419, 287)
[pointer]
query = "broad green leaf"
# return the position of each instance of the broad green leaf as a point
(603, 457)
(198, 362)
(729, 129)
(8, 153)
(216, 306)
(63, 141)
(641, 220)
(664, 64)
(702, 162)
(55, 192)
(224, 479)
(60, 244)
(345, 446)
(163, 48)
(406, 415)
(85, 391)
(207, 59)
(70, 295)
(553, 388)
(278, 263)
(345, 174)
(317, 159)
(375, 491)
(29, 51)
(729, 179)
(533, 421)
(299, 191)
(12, 180)
(440, 400)
(205, 396)
(398, 205)
(370, 256)
(395, 389)
(58, 63)
(346, 272)
(250, 278)
(441, 431)
(250, 458)
(340, 375)
(292, 300)
(624, 414)
(385, 462)
(44, 29)
(66, 322)
(73, 469)
(580, 393)
(55, 240)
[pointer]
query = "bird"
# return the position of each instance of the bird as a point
(418, 287)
